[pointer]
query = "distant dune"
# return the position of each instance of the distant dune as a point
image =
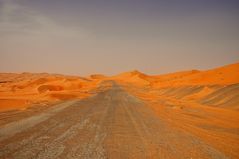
(134, 77)
(215, 87)
(18, 91)
(220, 76)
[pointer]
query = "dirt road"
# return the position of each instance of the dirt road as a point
(111, 124)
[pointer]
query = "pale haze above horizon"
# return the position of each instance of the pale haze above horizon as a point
(82, 37)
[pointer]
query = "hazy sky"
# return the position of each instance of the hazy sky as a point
(111, 36)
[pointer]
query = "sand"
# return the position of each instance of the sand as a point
(157, 112)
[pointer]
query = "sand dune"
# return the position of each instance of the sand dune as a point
(135, 78)
(212, 87)
(215, 87)
(18, 91)
(227, 96)
(220, 76)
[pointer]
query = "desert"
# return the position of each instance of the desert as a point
(188, 114)
(119, 79)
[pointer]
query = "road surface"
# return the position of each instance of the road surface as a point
(111, 124)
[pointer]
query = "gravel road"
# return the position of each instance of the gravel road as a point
(111, 124)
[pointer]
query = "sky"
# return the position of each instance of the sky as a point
(82, 37)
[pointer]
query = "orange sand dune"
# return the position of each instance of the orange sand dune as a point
(135, 78)
(225, 75)
(215, 87)
(212, 87)
(18, 91)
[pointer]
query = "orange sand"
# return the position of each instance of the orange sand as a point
(22, 90)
